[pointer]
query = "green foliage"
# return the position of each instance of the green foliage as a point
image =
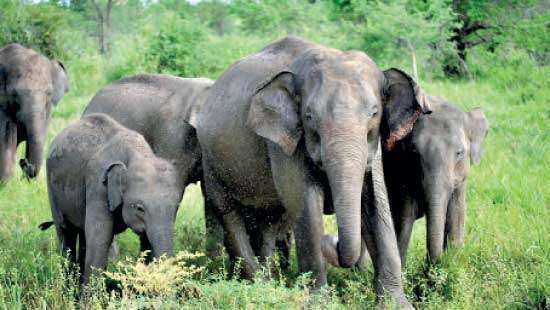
(174, 49)
(390, 32)
(13, 20)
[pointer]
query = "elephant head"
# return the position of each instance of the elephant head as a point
(338, 104)
(30, 84)
(146, 194)
(442, 143)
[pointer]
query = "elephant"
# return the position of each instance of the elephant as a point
(293, 128)
(30, 85)
(426, 174)
(103, 178)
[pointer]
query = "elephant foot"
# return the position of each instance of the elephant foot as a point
(398, 299)
(328, 248)
(28, 169)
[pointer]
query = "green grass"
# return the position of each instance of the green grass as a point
(505, 262)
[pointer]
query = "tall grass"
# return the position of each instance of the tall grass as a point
(505, 262)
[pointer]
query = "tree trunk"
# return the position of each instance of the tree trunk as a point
(103, 25)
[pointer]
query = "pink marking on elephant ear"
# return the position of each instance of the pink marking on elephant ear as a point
(402, 131)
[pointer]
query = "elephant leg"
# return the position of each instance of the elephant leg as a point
(237, 241)
(269, 239)
(364, 259)
(81, 252)
(283, 246)
(456, 216)
(99, 236)
(68, 243)
(379, 236)
(8, 146)
(214, 228)
(303, 200)
(403, 227)
(145, 245)
(308, 232)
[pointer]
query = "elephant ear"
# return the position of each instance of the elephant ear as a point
(274, 112)
(59, 80)
(404, 102)
(114, 178)
(477, 128)
(195, 107)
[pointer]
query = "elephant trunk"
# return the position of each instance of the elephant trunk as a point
(161, 238)
(346, 162)
(36, 125)
(436, 214)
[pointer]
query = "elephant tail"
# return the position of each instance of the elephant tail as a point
(45, 225)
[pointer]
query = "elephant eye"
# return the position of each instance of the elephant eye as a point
(139, 207)
(308, 116)
(460, 154)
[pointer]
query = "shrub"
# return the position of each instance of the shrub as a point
(174, 48)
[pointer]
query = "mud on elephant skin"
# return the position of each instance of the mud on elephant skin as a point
(426, 174)
(102, 179)
(294, 126)
(30, 85)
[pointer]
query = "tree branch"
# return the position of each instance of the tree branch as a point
(475, 26)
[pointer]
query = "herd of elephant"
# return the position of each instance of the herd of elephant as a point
(284, 136)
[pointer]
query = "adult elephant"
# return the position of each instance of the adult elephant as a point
(30, 84)
(161, 108)
(294, 127)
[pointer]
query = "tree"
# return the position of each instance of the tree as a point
(467, 34)
(103, 25)
(393, 32)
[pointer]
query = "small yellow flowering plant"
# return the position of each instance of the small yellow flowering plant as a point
(164, 277)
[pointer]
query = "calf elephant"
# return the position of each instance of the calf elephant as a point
(30, 84)
(426, 173)
(294, 127)
(102, 179)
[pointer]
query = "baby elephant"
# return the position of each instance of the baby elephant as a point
(102, 179)
(425, 174)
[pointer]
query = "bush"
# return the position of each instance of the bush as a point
(174, 48)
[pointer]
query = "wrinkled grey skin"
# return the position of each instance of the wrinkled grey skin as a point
(292, 128)
(426, 175)
(161, 108)
(30, 85)
(102, 179)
